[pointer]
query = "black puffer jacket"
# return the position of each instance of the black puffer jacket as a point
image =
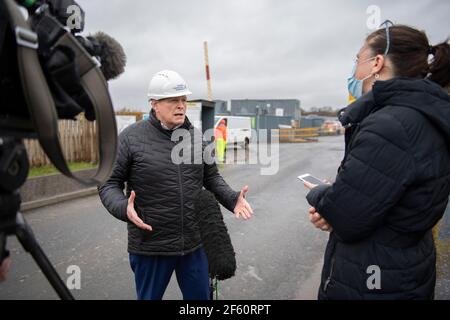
(165, 192)
(392, 188)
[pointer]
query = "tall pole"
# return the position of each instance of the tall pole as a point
(208, 74)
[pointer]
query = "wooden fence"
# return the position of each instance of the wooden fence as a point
(78, 140)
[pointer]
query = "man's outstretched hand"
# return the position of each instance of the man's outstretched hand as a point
(4, 268)
(243, 208)
(133, 216)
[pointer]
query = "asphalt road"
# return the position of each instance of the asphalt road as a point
(279, 253)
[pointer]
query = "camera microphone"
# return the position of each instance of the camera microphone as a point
(109, 52)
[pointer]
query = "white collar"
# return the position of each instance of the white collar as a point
(167, 128)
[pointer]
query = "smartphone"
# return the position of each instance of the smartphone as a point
(311, 179)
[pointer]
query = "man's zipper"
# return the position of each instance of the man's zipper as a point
(182, 209)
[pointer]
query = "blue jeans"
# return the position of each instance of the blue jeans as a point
(153, 273)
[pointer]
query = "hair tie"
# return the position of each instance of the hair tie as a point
(431, 50)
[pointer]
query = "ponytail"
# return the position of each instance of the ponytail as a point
(440, 65)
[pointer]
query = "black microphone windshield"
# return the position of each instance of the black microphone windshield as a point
(111, 54)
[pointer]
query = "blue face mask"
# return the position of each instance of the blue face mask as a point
(355, 86)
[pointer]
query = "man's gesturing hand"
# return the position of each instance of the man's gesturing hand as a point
(4, 268)
(133, 216)
(242, 207)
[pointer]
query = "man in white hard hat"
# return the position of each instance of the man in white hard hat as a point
(163, 232)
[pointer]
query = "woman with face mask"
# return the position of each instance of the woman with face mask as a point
(393, 185)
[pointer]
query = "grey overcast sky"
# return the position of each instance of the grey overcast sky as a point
(258, 48)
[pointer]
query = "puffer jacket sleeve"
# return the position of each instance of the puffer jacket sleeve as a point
(214, 182)
(374, 176)
(317, 193)
(111, 192)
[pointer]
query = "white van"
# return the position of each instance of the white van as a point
(239, 130)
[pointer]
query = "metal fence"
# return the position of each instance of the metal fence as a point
(296, 135)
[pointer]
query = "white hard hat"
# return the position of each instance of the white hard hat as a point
(167, 84)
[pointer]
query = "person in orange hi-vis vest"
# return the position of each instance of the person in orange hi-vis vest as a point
(220, 134)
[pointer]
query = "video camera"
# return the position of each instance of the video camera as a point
(48, 72)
